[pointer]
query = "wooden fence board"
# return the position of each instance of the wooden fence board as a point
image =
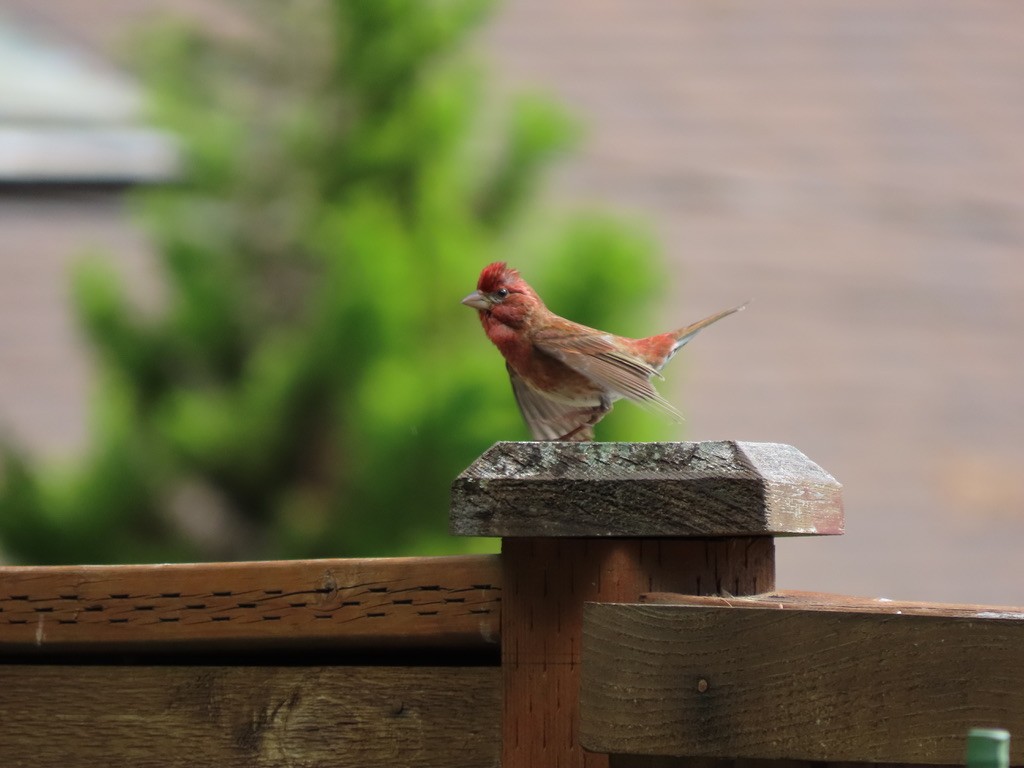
(797, 684)
(193, 717)
(661, 761)
(789, 599)
(443, 603)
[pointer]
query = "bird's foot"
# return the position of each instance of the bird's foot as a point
(584, 433)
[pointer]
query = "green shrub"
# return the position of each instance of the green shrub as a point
(311, 384)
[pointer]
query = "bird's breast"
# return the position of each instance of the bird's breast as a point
(539, 370)
(554, 378)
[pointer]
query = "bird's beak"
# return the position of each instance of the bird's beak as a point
(477, 300)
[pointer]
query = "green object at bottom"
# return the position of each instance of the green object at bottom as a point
(988, 748)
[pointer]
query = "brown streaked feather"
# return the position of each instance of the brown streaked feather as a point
(549, 419)
(593, 354)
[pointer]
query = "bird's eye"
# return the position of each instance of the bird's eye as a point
(501, 293)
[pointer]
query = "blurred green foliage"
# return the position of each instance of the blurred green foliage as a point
(310, 384)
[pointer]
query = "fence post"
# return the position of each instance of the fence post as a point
(609, 522)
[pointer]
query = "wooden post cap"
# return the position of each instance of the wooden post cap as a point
(645, 490)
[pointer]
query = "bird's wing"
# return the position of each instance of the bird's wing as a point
(549, 419)
(593, 354)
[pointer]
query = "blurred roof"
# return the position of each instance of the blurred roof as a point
(67, 116)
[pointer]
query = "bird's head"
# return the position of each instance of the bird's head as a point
(502, 295)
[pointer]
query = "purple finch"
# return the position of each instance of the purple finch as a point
(566, 376)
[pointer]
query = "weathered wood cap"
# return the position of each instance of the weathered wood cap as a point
(645, 489)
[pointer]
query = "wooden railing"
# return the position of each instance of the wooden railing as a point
(631, 619)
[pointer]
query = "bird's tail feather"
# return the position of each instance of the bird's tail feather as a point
(683, 335)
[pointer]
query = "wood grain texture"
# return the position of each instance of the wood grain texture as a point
(442, 602)
(363, 717)
(645, 761)
(645, 490)
(547, 581)
(797, 684)
(790, 599)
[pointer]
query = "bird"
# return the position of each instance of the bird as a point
(566, 376)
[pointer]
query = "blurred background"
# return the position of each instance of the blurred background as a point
(234, 237)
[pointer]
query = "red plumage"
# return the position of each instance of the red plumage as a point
(493, 275)
(566, 376)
